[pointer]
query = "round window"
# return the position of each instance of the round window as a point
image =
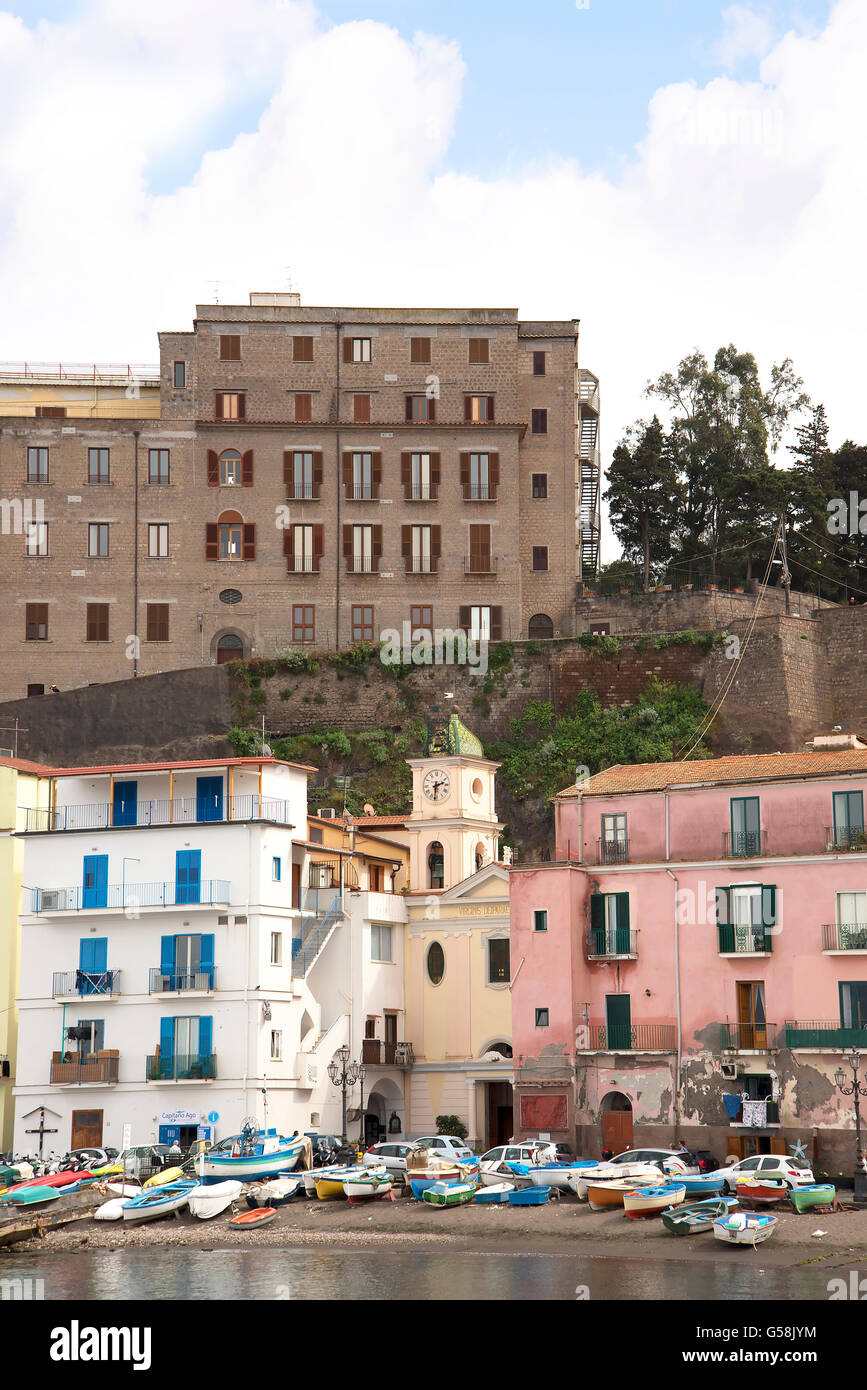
(231, 596)
(476, 788)
(436, 963)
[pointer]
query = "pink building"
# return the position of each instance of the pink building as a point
(694, 963)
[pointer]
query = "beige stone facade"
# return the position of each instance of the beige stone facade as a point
(232, 517)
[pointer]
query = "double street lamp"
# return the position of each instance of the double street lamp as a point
(345, 1074)
(856, 1090)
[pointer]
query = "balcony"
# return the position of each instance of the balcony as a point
(612, 851)
(825, 1035)
(375, 1053)
(743, 941)
(480, 564)
(747, 1037)
(195, 1068)
(772, 1112)
(188, 810)
(81, 984)
(844, 936)
(84, 1069)
(422, 492)
(126, 896)
(362, 564)
(843, 837)
(181, 981)
(626, 1037)
(480, 492)
(742, 844)
(422, 564)
(612, 943)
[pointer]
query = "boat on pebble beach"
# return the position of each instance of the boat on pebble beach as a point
(745, 1227)
(446, 1194)
(208, 1200)
(155, 1202)
(693, 1217)
(612, 1172)
(817, 1194)
(494, 1193)
(651, 1201)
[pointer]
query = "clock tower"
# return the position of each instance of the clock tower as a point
(453, 829)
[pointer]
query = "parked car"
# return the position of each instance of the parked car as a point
(513, 1153)
(707, 1162)
(392, 1155)
(93, 1158)
(446, 1146)
(671, 1161)
(794, 1172)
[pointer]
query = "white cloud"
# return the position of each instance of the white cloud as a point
(746, 35)
(739, 218)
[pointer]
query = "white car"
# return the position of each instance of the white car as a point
(514, 1153)
(445, 1146)
(671, 1161)
(794, 1172)
(392, 1156)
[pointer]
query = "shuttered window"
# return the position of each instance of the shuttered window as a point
(158, 622)
(230, 405)
(479, 410)
(303, 547)
(361, 409)
(480, 477)
(356, 350)
(362, 475)
(419, 349)
(302, 349)
(482, 623)
(230, 347)
(302, 473)
(303, 408)
(420, 409)
(420, 477)
(362, 548)
(479, 350)
(540, 557)
(36, 622)
(480, 549)
(97, 622)
(539, 422)
(539, 363)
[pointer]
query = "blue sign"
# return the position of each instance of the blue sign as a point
(213, 1117)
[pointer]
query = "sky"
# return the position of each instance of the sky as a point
(674, 173)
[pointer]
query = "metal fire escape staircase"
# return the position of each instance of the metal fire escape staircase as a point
(587, 429)
(316, 939)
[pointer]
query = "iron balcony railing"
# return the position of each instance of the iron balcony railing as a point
(604, 943)
(83, 1069)
(844, 936)
(772, 1115)
(422, 492)
(845, 837)
(422, 564)
(747, 1037)
(131, 895)
(180, 981)
(736, 940)
(480, 564)
(740, 844)
(375, 1053)
(191, 1068)
(480, 492)
(827, 1034)
(189, 810)
(308, 492)
(362, 564)
(105, 983)
(627, 1037)
(612, 851)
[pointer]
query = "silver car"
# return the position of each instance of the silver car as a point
(392, 1156)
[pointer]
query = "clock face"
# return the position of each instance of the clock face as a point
(436, 785)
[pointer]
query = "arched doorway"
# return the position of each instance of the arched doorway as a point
(436, 864)
(617, 1132)
(540, 627)
(230, 647)
(384, 1101)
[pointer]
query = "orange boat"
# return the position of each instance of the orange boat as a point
(249, 1220)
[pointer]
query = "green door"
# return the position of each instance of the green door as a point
(618, 1022)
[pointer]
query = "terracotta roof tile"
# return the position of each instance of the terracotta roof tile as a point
(746, 768)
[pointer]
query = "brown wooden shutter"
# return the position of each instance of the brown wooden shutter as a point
(375, 473)
(406, 546)
(431, 410)
(490, 412)
(434, 475)
(289, 471)
(468, 409)
(493, 473)
(465, 475)
(479, 350)
(213, 469)
(436, 548)
(212, 541)
(302, 349)
(318, 546)
(249, 551)
(347, 542)
(247, 468)
(242, 405)
(218, 406)
(480, 548)
(464, 617)
(497, 624)
(347, 475)
(347, 349)
(409, 407)
(406, 474)
(376, 548)
(361, 409)
(289, 546)
(317, 474)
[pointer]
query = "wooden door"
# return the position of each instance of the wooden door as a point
(296, 885)
(617, 1130)
(752, 1020)
(86, 1129)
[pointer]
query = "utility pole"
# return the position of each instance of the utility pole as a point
(786, 577)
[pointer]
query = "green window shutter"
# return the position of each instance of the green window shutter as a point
(725, 929)
(621, 943)
(597, 923)
(769, 907)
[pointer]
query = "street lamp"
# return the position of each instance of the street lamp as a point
(856, 1090)
(362, 1072)
(343, 1074)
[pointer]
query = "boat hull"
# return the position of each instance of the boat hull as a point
(701, 1186)
(168, 1175)
(818, 1194)
(745, 1228)
(578, 1181)
(157, 1202)
(529, 1197)
(111, 1210)
(651, 1201)
(610, 1194)
(363, 1189)
(30, 1196)
(252, 1220)
(217, 1167)
(442, 1194)
(209, 1200)
(762, 1193)
(494, 1193)
(692, 1218)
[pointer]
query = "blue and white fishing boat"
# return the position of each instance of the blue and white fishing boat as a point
(261, 1153)
(158, 1201)
(498, 1193)
(702, 1185)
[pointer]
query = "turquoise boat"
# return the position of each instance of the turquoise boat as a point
(30, 1196)
(448, 1194)
(529, 1197)
(817, 1194)
(703, 1185)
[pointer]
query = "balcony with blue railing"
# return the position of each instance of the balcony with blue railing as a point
(825, 1035)
(81, 984)
(182, 981)
(736, 940)
(126, 897)
(187, 810)
(198, 1067)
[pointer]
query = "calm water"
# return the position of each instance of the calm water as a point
(393, 1275)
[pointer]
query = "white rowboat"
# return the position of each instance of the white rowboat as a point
(209, 1199)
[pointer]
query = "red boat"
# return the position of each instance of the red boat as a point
(762, 1191)
(53, 1180)
(250, 1220)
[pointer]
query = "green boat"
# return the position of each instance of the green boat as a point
(818, 1194)
(697, 1216)
(443, 1194)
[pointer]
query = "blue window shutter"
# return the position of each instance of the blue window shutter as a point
(95, 881)
(206, 957)
(205, 1036)
(100, 953)
(188, 875)
(167, 958)
(167, 1048)
(85, 953)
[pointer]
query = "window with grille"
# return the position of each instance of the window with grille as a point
(37, 465)
(97, 465)
(158, 465)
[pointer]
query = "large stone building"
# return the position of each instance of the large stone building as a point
(315, 476)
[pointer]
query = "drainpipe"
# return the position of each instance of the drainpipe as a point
(580, 829)
(667, 829)
(135, 435)
(338, 549)
(676, 1005)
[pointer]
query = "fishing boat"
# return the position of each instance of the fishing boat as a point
(448, 1194)
(277, 1192)
(761, 1191)
(30, 1196)
(702, 1185)
(330, 1184)
(693, 1217)
(124, 1189)
(364, 1185)
(745, 1227)
(603, 1195)
(311, 1176)
(155, 1202)
(552, 1174)
(650, 1201)
(259, 1153)
(497, 1192)
(492, 1174)
(817, 1194)
(611, 1173)
(112, 1210)
(65, 1179)
(209, 1199)
(168, 1175)
(252, 1220)
(529, 1196)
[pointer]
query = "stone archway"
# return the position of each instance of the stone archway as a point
(229, 644)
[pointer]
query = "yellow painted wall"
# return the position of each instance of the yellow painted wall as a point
(88, 401)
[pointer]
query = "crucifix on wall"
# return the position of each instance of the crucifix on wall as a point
(41, 1131)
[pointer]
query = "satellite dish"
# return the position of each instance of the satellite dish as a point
(368, 809)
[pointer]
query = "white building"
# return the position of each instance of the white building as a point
(186, 945)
